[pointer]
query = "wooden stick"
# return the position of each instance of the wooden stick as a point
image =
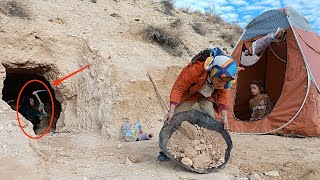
(157, 91)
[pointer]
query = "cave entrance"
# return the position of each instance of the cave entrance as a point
(16, 78)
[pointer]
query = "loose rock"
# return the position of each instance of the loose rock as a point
(272, 173)
(187, 161)
(197, 147)
(254, 176)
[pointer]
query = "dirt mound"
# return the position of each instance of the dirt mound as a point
(197, 146)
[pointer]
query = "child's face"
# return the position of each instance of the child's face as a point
(254, 89)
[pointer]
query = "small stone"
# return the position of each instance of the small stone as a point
(134, 159)
(186, 161)
(242, 178)
(195, 142)
(202, 146)
(128, 162)
(120, 145)
(272, 173)
(190, 152)
(197, 148)
(254, 176)
(221, 160)
(115, 15)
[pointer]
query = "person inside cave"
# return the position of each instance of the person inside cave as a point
(30, 112)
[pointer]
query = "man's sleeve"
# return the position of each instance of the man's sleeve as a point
(181, 85)
(222, 99)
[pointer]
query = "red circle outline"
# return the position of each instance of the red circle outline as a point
(52, 109)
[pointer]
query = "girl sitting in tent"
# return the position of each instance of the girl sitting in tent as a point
(260, 104)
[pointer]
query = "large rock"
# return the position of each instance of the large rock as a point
(189, 130)
(201, 161)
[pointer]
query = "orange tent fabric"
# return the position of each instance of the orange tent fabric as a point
(289, 72)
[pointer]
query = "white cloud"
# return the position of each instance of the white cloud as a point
(247, 17)
(272, 3)
(251, 8)
(239, 2)
(224, 9)
(233, 18)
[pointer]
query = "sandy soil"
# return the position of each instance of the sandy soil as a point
(91, 156)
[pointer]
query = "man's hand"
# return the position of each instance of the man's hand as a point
(168, 117)
(240, 69)
(224, 119)
(41, 107)
(225, 123)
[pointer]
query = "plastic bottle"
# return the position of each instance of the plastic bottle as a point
(145, 136)
(133, 133)
(125, 127)
(138, 126)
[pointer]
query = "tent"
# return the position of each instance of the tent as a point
(290, 71)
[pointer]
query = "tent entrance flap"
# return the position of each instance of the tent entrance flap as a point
(270, 70)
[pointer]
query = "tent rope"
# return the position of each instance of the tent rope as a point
(277, 55)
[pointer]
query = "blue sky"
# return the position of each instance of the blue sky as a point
(242, 12)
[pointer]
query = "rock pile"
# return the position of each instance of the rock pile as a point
(197, 147)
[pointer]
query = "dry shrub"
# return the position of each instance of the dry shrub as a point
(237, 29)
(230, 37)
(185, 10)
(167, 39)
(168, 6)
(199, 28)
(13, 8)
(197, 12)
(214, 19)
(176, 23)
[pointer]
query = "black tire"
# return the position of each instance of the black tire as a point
(203, 120)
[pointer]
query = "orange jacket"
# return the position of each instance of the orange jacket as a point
(190, 81)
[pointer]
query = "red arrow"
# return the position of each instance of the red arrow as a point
(58, 81)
